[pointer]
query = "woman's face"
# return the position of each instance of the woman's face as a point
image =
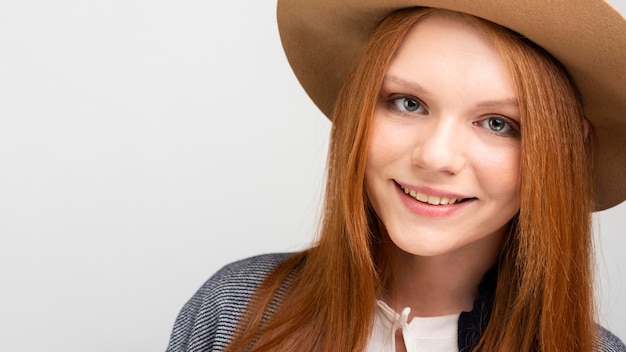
(443, 161)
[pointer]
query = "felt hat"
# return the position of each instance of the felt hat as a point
(324, 39)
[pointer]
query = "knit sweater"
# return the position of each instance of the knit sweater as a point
(209, 319)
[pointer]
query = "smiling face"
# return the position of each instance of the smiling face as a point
(443, 160)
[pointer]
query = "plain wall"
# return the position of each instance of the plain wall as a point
(145, 144)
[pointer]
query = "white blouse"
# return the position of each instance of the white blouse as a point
(432, 334)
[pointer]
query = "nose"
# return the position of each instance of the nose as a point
(441, 147)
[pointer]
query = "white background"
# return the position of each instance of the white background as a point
(143, 145)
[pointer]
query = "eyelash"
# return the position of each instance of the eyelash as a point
(396, 104)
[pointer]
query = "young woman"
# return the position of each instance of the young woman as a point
(460, 183)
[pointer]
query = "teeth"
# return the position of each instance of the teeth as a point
(433, 200)
(425, 198)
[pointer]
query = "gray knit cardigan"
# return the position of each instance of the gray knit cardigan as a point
(208, 321)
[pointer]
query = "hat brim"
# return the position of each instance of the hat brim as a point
(324, 39)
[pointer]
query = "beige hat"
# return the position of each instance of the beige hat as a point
(323, 40)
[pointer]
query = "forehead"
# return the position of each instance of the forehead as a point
(447, 34)
(451, 53)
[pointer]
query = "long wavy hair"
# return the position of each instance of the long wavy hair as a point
(323, 299)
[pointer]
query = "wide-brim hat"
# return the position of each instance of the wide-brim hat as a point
(324, 39)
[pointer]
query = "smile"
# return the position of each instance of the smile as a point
(433, 200)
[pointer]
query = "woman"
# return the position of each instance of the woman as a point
(459, 192)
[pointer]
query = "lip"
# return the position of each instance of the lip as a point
(432, 191)
(429, 210)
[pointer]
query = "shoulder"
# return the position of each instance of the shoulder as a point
(607, 342)
(208, 320)
(235, 283)
(243, 274)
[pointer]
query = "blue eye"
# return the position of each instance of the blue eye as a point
(499, 125)
(406, 104)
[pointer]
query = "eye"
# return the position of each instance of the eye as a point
(404, 104)
(499, 125)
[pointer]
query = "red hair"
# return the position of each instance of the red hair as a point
(544, 290)
(323, 299)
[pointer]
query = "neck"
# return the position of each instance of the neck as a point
(440, 285)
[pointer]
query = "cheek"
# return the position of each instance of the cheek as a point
(510, 169)
(381, 154)
(495, 162)
(376, 151)
(388, 142)
(500, 170)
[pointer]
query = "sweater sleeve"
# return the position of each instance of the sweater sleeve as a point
(207, 322)
(607, 342)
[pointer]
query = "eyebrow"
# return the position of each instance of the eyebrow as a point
(499, 102)
(416, 87)
(408, 84)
